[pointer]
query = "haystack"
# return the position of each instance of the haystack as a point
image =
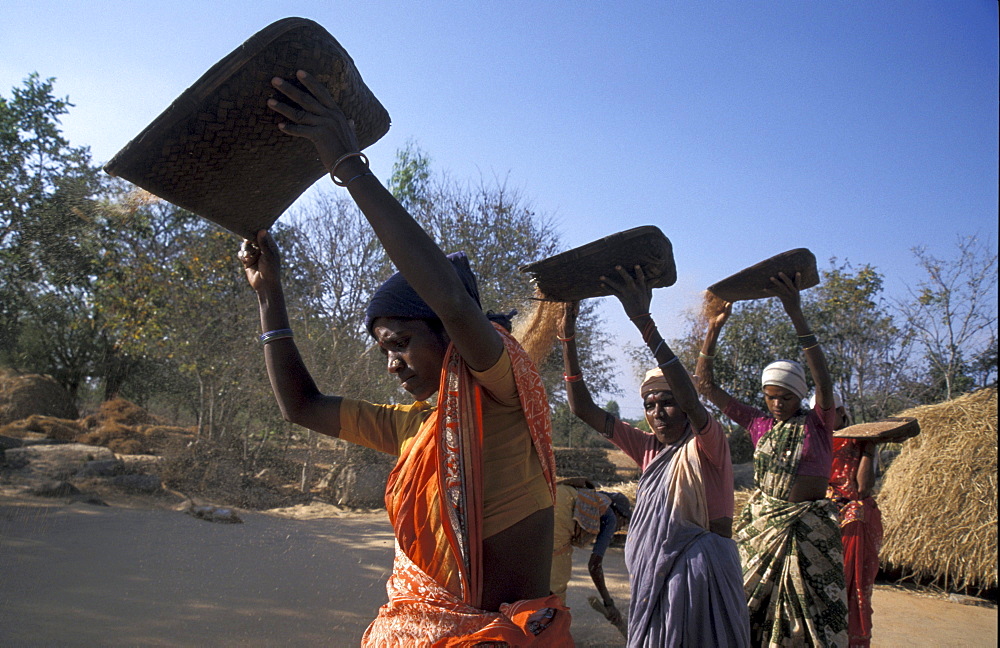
(22, 395)
(939, 497)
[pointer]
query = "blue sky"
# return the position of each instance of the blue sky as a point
(741, 129)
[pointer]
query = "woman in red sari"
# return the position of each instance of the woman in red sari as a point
(851, 484)
(470, 499)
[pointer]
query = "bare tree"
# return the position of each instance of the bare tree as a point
(954, 312)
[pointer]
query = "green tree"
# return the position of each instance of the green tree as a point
(48, 239)
(171, 291)
(867, 349)
(411, 174)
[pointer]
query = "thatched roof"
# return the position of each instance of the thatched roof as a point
(939, 497)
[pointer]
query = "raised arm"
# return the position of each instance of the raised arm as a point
(413, 252)
(635, 297)
(787, 290)
(298, 398)
(577, 394)
(706, 359)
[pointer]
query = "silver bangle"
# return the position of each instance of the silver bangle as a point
(277, 334)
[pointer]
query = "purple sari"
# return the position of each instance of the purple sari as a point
(686, 582)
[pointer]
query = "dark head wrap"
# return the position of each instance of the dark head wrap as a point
(396, 298)
(620, 504)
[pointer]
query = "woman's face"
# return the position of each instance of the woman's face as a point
(666, 419)
(782, 403)
(840, 420)
(414, 353)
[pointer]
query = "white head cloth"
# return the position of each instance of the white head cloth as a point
(788, 374)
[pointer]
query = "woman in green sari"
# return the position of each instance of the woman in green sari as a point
(788, 533)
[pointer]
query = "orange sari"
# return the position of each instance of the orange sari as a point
(435, 501)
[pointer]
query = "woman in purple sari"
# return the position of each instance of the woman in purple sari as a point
(684, 569)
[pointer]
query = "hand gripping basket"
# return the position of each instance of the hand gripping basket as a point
(575, 274)
(753, 282)
(217, 151)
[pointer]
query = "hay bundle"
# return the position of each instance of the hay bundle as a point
(122, 412)
(48, 426)
(939, 497)
(118, 438)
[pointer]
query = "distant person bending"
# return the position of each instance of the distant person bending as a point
(787, 533)
(684, 568)
(585, 516)
(470, 499)
(851, 485)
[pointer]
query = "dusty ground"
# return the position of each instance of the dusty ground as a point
(137, 575)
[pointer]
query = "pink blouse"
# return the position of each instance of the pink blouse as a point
(817, 447)
(713, 450)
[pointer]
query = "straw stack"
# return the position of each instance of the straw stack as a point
(939, 497)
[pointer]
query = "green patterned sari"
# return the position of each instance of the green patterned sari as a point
(793, 563)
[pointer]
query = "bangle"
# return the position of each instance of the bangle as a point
(647, 330)
(638, 316)
(566, 339)
(277, 334)
(804, 335)
(810, 347)
(657, 349)
(333, 169)
(705, 355)
(664, 365)
(808, 341)
(574, 378)
(360, 175)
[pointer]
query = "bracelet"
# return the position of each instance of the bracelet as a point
(566, 339)
(360, 175)
(705, 355)
(574, 378)
(277, 334)
(638, 316)
(810, 347)
(657, 349)
(664, 365)
(333, 169)
(647, 330)
(609, 426)
(808, 341)
(804, 335)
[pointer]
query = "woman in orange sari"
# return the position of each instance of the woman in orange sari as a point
(470, 499)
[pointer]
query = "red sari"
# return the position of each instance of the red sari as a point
(434, 499)
(861, 534)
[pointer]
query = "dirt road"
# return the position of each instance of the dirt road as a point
(83, 575)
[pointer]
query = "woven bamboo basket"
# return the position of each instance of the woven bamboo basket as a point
(575, 274)
(217, 151)
(753, 282)
(888, 430)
